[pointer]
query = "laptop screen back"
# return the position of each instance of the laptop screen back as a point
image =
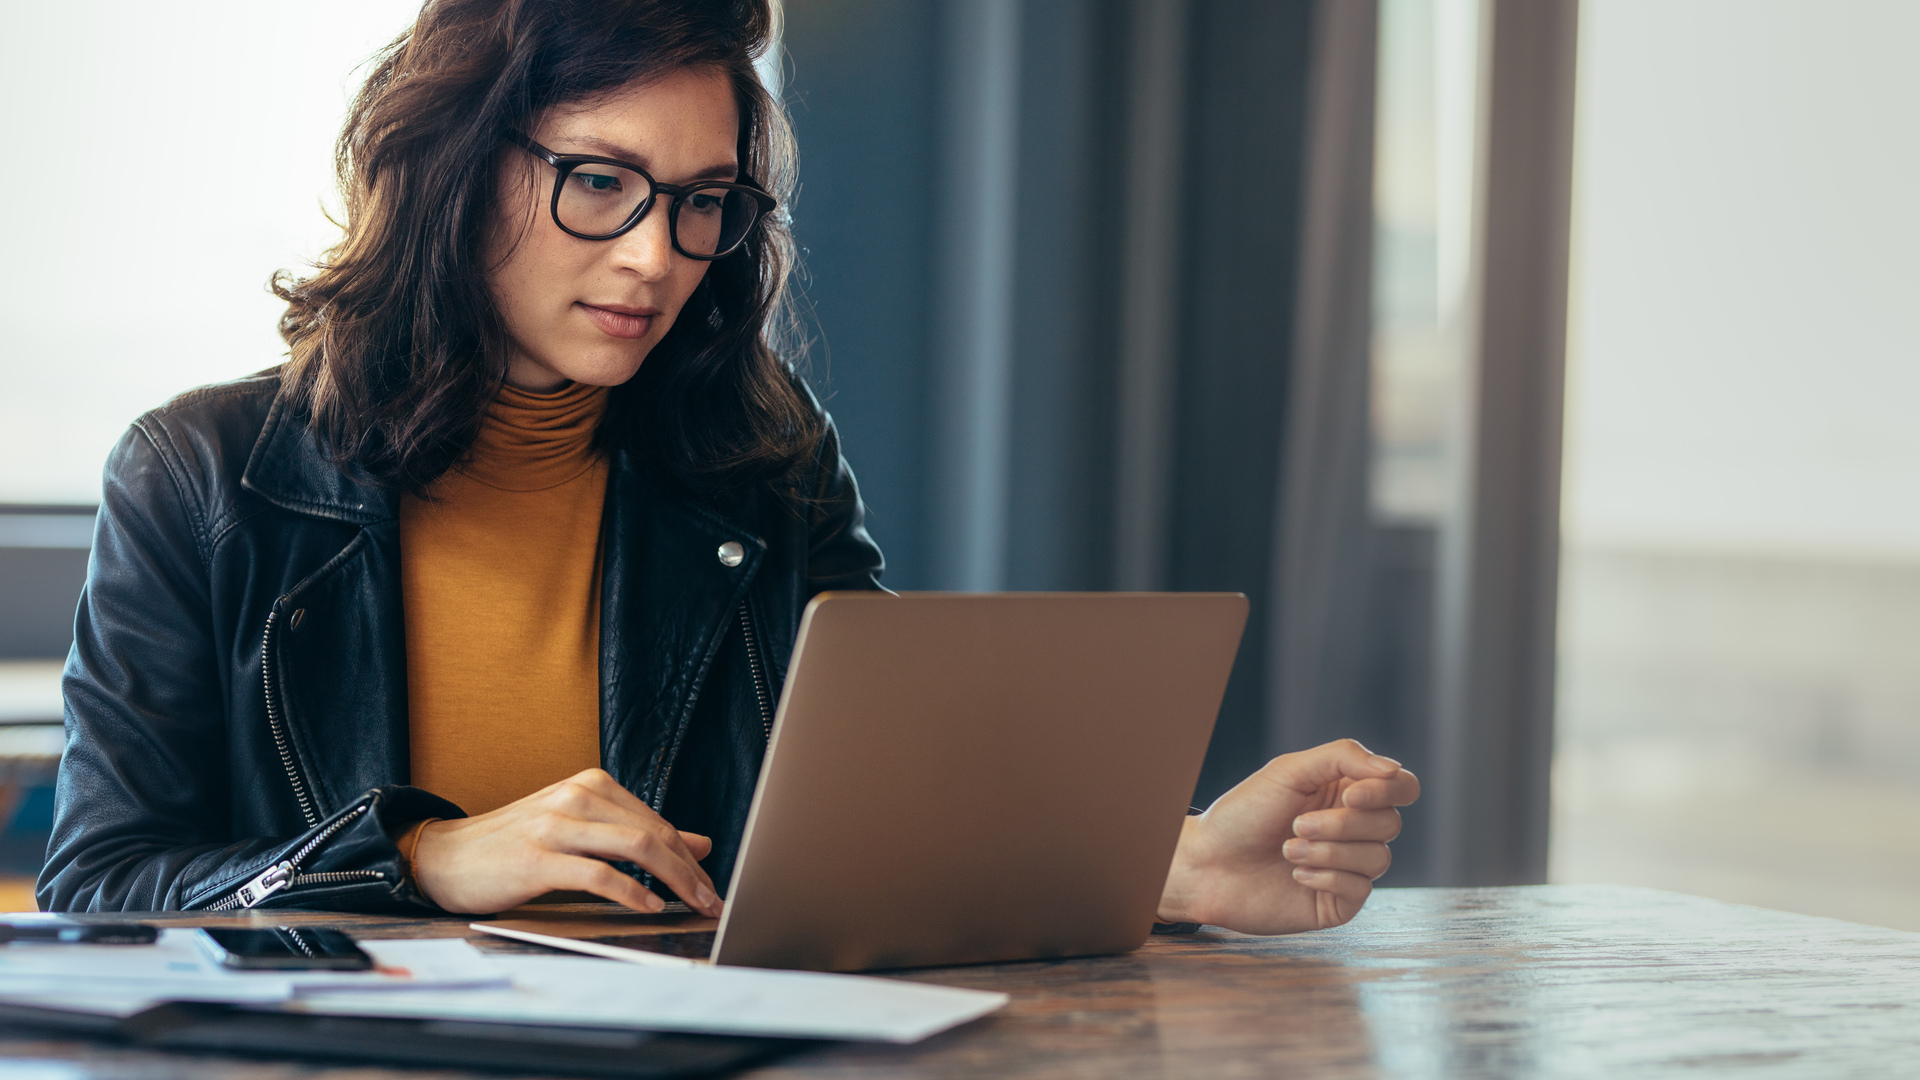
(960, 778)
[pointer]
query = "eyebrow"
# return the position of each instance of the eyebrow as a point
(720, 171)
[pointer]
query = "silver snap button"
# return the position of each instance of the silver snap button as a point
(731, 553)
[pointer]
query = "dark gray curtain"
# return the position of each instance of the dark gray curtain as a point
(1091, 255)
(1091, 282)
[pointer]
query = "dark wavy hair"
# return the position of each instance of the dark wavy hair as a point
(396, 347)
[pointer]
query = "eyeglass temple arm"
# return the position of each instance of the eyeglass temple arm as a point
(533, 148)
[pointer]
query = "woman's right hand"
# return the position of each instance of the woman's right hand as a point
(561, 837)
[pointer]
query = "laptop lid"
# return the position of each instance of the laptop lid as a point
(965, 778)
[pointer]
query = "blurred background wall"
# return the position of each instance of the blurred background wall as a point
(1740, 698)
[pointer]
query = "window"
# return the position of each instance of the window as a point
(167, 159)
(1740, 623)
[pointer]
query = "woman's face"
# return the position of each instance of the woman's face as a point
(590, 310)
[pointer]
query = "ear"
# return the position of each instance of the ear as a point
(513, 208)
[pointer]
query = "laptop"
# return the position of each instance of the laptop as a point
(969, 778)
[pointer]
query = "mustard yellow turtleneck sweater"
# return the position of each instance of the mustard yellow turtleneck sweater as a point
(500, 575)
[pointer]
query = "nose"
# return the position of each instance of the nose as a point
(647, 249)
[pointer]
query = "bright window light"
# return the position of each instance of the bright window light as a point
(167, 158)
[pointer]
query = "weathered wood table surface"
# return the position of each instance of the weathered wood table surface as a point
(1523, 982)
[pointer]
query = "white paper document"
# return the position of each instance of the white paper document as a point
(716, 1000)
(447, 978)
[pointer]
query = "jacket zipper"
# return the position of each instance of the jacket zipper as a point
(761, 697)
(277, 724)
(760, 694)
(286, 873)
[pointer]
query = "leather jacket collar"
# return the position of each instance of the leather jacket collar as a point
(289, 468)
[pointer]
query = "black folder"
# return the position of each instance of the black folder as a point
(520, 1048)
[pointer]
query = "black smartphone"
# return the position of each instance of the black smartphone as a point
(284, 948)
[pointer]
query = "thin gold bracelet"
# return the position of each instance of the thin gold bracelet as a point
(407, 855)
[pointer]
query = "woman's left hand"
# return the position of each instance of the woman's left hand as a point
(1296, 846)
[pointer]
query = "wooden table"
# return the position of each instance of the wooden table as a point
(1549, 980)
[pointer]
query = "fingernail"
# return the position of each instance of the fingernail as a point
(1381, 761)
(1295, 849)
(1306, 826)
(654, 903)
(1301, 874)
(706, 898)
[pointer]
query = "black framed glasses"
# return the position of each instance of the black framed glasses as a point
(597, 198)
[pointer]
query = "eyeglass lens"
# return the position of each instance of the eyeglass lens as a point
(598, 199)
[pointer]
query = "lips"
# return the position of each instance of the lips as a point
(620, 321)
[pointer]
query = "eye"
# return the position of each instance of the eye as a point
(598, 182)
(704, 201)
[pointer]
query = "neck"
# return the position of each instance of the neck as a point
(532, 376)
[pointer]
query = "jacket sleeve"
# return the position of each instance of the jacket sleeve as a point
(840, 553)
(141, 819)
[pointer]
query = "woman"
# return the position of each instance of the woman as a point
(486, 592)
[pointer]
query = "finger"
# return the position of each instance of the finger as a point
(1400, 789)
(1379, 826)
(591, 875)
(1310, 770)
(1351, 890)
(602, 783)
(585, 803)
(659, 852)
(1367, 860)
(699, 846)
(595, 791)
(1347, 886)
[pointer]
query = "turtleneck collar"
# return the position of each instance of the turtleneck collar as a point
(530, 442)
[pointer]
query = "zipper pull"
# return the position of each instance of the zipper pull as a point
(277, 877)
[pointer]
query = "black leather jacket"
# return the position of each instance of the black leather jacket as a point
(236, 698)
